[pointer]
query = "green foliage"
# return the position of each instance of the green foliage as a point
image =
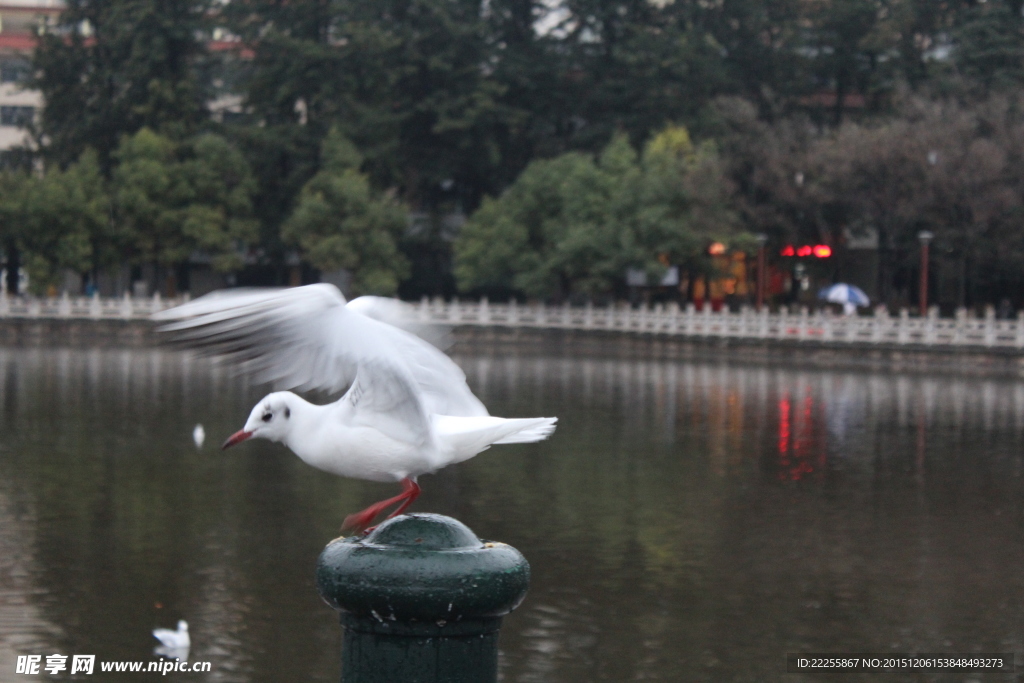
(574, 224)
(58, 221)
(990, 45)
(403, 80)
(218, 216)
(451, 101)
(340, 222)
(13, 186)
(175, 198)
(110, 68)
(65, 214)
(12, 194)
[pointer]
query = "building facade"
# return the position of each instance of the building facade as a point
(21, 22)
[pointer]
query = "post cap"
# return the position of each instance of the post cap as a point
(422, 567)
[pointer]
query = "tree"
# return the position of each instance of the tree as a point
(503, 246)
(683, 202)
(572, 225)
(339, 222)
(771, 166)
(406, 81)
(55, 222)
(628, 65)
(12, 225)
(935, 165)
(879, 174)
(916, 33)
(975, 200)
(110, 68)
(759, 42)
(66, 223)
(844, 54)
(218, 218)
(174, 199)
(989, 45)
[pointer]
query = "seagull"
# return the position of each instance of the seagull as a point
(174, 640)
(406, 409)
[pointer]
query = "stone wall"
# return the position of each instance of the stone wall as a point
(505, 340)
(994, 362)
(72, 332)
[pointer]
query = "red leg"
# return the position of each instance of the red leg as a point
(362, 519)
(412, 491)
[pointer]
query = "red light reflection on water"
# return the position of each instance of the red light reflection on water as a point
(783, 426)
(798, 435)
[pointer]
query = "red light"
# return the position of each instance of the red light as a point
(822, 251)
(788, 251)
(805, 250)
(784, 427)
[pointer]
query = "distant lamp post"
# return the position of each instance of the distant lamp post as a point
(924, 237)
(762, 240)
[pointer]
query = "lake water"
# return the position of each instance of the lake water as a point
(687, 522)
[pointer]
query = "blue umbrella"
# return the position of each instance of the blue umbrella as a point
(844, 294)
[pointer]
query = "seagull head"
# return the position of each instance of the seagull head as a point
(270, 419)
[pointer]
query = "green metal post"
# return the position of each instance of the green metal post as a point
(421, 600)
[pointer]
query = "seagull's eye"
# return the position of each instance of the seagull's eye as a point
(267, 417)
(287, 412)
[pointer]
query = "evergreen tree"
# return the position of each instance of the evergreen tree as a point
(55, 222)
(403, 79)
(13, 186)
(989, 45)
(572, 225)
(67, 223)
(173, 199)
(340, 223)
(112, 67)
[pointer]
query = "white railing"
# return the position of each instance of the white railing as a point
(822, 326)
(84, 308)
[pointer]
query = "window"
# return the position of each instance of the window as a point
(14, 71)
(16, 116)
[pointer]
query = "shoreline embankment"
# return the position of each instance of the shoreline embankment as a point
(998, 362)
(808, 354)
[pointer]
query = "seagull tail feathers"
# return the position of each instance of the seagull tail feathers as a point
(533, 429)
(464, 437)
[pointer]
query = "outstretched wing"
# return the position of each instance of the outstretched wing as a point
(383, 396)
(403, 316)
(307, 338)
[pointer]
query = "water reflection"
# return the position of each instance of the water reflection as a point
(23, 627)
(737, 513)
(689, 521)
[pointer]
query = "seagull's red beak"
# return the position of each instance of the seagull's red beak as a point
(238, 437)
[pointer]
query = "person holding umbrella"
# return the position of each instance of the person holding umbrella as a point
(849, 296)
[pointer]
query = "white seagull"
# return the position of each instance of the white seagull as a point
(407, 410)
(174, 640)
(199, 435)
